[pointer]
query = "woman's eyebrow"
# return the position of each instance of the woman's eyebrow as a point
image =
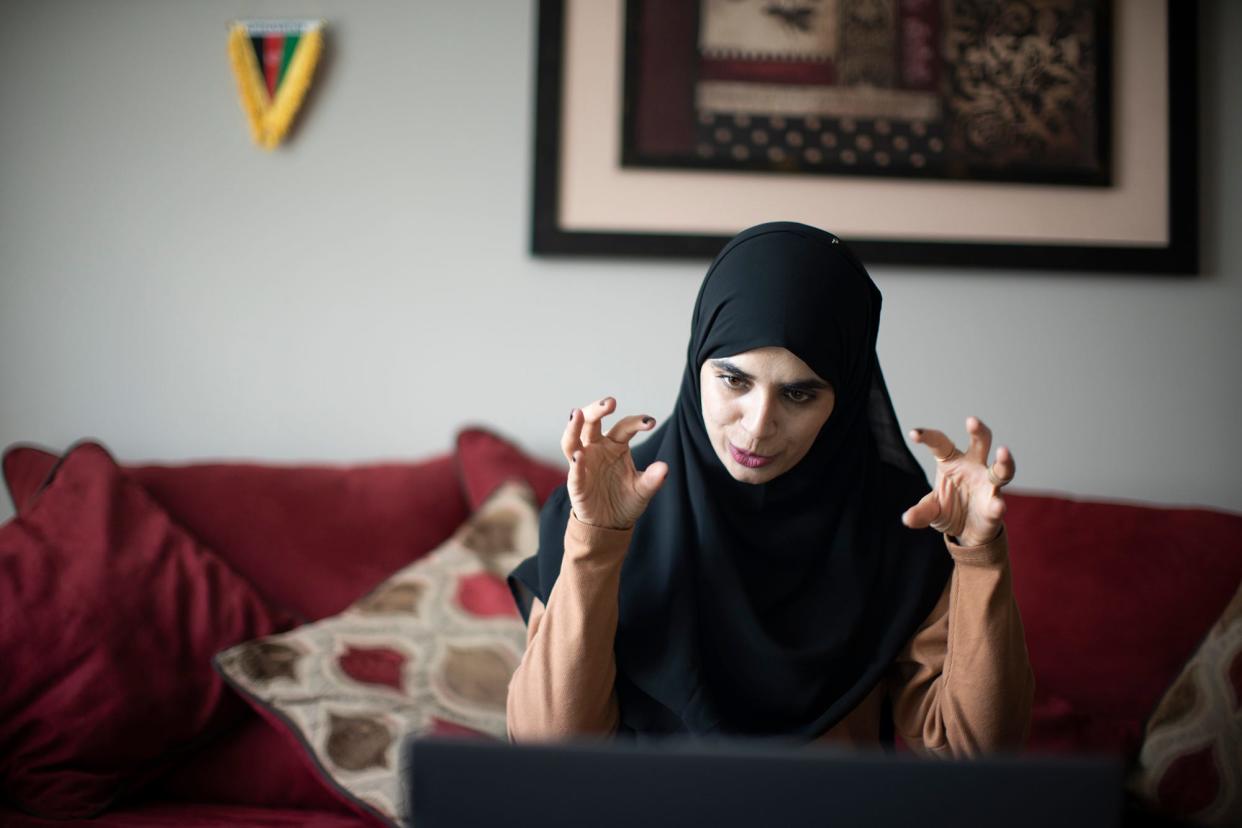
(799, 385)
(725, 365)
(808, 385)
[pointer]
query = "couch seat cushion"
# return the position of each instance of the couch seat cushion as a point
(194, 815)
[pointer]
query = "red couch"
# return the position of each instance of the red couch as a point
(1115, 597)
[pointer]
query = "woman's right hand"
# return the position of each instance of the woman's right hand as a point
(604, 487)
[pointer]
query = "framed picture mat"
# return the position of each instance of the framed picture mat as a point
(585, 203)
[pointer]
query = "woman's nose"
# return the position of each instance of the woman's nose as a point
(759, 418)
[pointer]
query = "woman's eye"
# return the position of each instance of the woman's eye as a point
(731, 381)
(799, 396)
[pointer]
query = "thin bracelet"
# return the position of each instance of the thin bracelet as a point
(574, 515)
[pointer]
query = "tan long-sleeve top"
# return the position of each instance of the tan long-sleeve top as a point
(961, 686)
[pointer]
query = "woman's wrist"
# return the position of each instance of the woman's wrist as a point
(575, 516)
(970, 542)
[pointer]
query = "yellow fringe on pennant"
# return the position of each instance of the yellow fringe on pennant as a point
(270, 119)
(249, 83)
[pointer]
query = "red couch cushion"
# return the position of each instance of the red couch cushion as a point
(313, 538)
(310, 538)
(110, 614)
(252, 765)
(1114, 598)
(485, 460)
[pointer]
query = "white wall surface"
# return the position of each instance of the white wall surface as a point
(362, 292)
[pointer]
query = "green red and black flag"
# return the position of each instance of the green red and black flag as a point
(274, 61)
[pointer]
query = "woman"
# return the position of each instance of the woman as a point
(771, 570)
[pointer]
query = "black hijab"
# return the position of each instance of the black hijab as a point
(769, 609)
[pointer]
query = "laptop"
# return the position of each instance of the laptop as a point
(469, 783)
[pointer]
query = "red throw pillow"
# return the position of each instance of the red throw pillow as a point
(1115, 598)
(110, 614)
(311, 538)
(485, 460)
(25, 470)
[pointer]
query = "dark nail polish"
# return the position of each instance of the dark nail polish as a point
(603, 401)
(918, 431)
(646, 420)
(571, 413)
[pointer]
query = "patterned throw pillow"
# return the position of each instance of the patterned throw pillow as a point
(428, 651)
(1190, 765)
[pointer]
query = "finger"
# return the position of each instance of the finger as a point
(624, 429)
(980, 440)
(941, 446)
(652, 478)
(577, 472)
(921, 514)
(1004, 468)
(592, 413)
(571, 438)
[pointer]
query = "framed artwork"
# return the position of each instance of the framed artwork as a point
(1049, 134)
(917, 88)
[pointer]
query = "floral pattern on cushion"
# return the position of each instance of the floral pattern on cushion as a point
(428, 651)
(1190, 764)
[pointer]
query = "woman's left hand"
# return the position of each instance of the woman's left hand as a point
(965, 501)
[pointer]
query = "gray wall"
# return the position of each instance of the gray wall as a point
(362, 292)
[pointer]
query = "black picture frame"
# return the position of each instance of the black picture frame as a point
(1180, 255)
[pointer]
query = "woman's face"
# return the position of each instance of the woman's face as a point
(763, 410)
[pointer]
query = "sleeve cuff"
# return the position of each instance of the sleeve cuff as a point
(992, 553)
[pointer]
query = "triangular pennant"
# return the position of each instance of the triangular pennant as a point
(274, 61)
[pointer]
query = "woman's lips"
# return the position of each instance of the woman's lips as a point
(747, 459)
